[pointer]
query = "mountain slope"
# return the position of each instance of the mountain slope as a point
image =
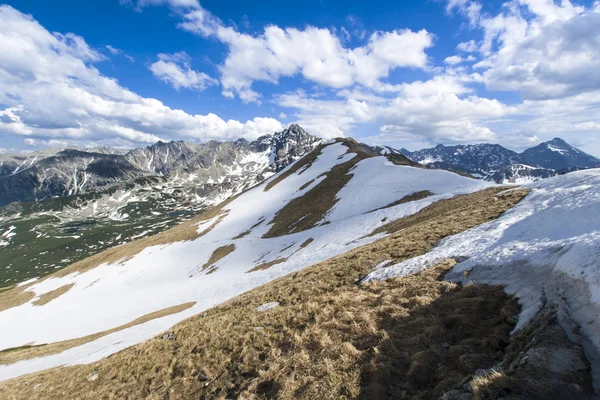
(327, 338)
(520, 174)
(545, 250)
(234, 248)
(106, 198)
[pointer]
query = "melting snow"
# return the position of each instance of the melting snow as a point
(545, 248)
(168, 275)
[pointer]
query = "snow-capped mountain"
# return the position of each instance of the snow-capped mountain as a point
(559, 155)
(66, 173)
(211, 168)
(491, 161)
(477, 159)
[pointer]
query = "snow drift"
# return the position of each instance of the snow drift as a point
(546, 250)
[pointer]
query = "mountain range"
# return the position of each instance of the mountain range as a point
(203, 169)
(207, 170)
(497, 163)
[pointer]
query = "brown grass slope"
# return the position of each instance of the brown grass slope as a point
(329, 338)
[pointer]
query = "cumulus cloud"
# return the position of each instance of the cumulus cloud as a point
(175, 70)
(317, 54)
(468, 47)
(547, 51)
(50, 89)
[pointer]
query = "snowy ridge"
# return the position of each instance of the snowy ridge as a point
(111, 295)
(545, 249)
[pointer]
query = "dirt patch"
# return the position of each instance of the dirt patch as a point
(15, 297)
(267, 265)
(406, 199)
(219, 254)
(53, 294)
(307, 184)
(326, 340)
(307, 242)
(303, 213)
(13, 355)
(304, 162)
(247, 232)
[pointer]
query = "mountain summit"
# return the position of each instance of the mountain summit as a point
(558, 154)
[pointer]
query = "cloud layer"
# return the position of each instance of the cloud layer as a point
(51, 90)
(529, 72)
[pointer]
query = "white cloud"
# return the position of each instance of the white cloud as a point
(468, 47)
(117, 52)
(52, 91)
(440, 110)
(555, 56)
(175, 70)
(315, 53)
(454, 60)
(547, 51)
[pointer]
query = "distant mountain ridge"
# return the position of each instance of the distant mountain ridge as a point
(206, 169)
(495, 162)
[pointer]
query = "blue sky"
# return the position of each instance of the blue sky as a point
(407, 74)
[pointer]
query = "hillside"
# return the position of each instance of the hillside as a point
(100, 198)
(287, 298)
(326, 204)
(322, 326)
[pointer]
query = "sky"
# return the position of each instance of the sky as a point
(409, 74)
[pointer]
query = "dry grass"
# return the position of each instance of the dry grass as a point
(267, 265)
(399, 159)
(10, 356)
(307, 242)
(328, 339)
(406, 199)
(492, 384)
(247, 232)
(219, 254)
(457, 207)
(303, 213)
(14, 297)
(53, 294)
